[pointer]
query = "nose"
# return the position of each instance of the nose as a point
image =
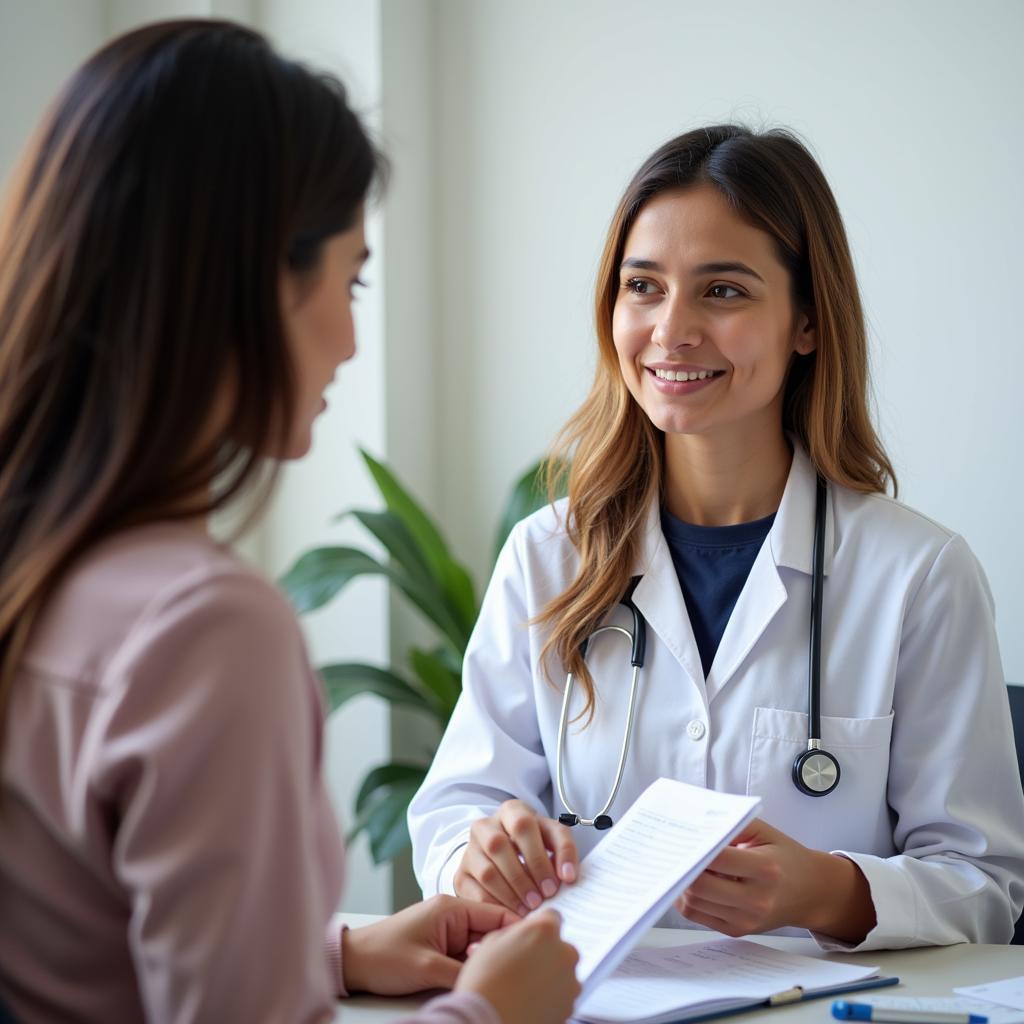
(678, 326)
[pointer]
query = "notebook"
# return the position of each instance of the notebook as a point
(709, 979)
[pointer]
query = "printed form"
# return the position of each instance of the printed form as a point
(660, 845)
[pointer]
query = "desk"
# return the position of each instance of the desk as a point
(930, 971)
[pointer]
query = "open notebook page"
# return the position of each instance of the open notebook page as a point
(660, 845)
(671, 983)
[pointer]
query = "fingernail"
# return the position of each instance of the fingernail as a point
(533, 901)
(548, 887)
(522, 910)
(568, 873)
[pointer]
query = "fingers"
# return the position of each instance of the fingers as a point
(528, 834)
(558, 839)
(736, 862)
(439, 971)
(708, 919)
(508, 860)
(717, 889)
(492, 863)
(486, 917)
(757, 833)
(468, 888)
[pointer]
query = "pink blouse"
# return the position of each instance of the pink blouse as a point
(168, 851)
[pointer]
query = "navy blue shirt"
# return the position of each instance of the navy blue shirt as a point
(712, 563)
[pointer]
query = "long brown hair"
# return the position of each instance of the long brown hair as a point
(616, 453)
(142, 239)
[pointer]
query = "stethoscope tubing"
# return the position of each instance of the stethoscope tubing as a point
(563, 725)
(815, 771)
(817, 591)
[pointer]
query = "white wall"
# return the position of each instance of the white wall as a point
(914, 111)
(33, 62)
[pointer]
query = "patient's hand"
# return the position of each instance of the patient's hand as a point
(418, 948)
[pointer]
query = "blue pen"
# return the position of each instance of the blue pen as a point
(844, 1010)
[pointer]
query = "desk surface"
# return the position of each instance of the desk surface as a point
(931, 971)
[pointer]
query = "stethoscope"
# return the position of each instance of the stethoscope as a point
(815, 770)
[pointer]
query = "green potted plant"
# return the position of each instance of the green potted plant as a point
(420, 566)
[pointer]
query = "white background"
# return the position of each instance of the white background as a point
(514, 127)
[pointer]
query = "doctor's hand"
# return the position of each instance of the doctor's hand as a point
(418, 948)
(765, 880)
(491, 870)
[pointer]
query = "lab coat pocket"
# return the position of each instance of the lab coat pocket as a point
(855, 815)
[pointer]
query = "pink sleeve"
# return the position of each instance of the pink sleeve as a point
(207, 752)
(455, 1008)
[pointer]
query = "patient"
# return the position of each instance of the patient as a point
(178, 254)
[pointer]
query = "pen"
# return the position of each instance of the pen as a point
(843, 1010)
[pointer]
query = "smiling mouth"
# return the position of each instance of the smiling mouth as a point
(681, 375)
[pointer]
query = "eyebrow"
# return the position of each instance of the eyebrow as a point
(721, 267)
(363, 256)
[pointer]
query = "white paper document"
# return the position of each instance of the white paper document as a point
(660, 845)
(1008, 992)
(676, 982)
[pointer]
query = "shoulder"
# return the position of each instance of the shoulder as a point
(162, 580)
(536, 563)
(900, 541)
(880, 511)
(542, 535)
(547, 525)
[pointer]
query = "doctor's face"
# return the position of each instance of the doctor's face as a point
(704, 323)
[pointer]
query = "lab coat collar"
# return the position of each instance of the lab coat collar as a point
(790, 541)
(792, 534)
(660, 600)
(791, 537)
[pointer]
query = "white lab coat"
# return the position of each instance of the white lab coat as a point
(914, 706)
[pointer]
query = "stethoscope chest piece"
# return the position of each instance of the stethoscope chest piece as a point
(815, 772)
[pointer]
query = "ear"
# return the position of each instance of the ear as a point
(805, 337)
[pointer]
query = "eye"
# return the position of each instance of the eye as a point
(639, 286)
(724, 291)
(356, 282)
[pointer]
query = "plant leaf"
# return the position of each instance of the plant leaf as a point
(452, 578)
(384, 819)
(459, 587)
(434, 671)
(350, 679)
(399, 543)
(398, 500)
(529, 494)
(388, 776)
(319, 574)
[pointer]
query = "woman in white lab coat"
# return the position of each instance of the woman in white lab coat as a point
(732, 370)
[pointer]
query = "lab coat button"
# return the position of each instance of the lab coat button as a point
(695, 730)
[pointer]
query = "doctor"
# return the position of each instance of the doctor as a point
(732, 372)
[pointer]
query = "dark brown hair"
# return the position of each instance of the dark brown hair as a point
(773, 182)
(182, 168)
